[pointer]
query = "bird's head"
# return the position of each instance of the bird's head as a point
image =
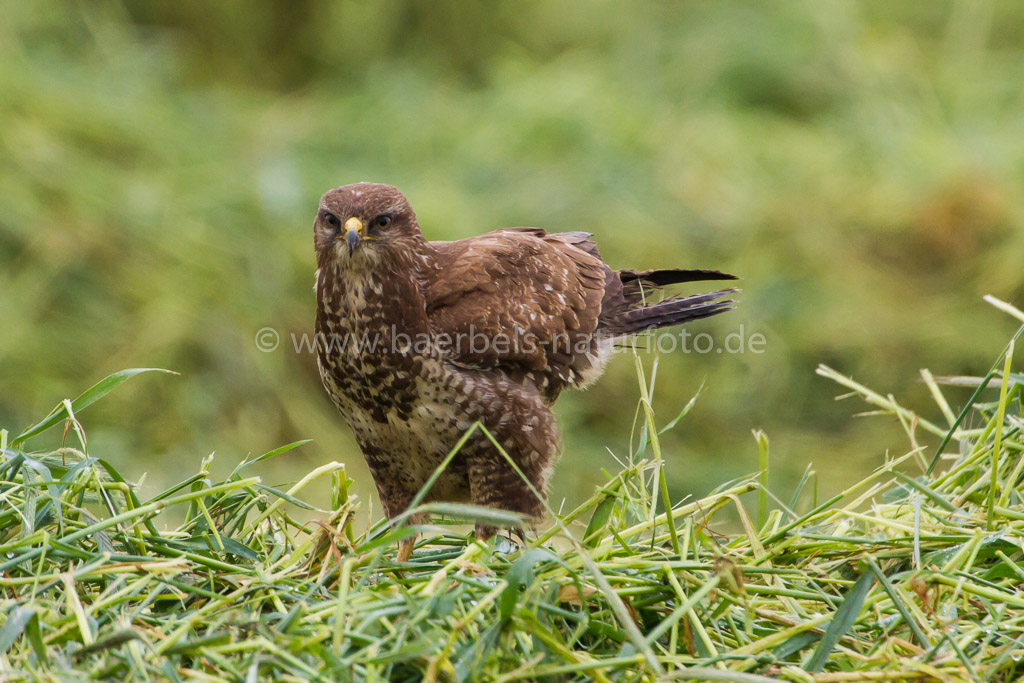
(364, 224)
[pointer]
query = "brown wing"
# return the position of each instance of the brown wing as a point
(520, 300)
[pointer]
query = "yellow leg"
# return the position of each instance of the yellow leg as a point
(405, 549)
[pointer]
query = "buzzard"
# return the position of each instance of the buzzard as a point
(418, 340)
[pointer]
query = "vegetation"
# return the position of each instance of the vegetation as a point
(857, 164)
(913, 573)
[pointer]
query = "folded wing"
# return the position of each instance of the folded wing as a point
(520, 299)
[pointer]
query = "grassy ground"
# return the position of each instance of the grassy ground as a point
(912, 574)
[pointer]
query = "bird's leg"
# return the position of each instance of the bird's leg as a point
(493, 483)
(406, 545)
(394, 499)
(405, 549)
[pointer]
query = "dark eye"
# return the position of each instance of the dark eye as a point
(382, 221)
(332, 221)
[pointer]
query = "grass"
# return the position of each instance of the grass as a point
(913, 573)
(161, 165)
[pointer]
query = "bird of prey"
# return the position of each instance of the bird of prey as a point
(419, 340)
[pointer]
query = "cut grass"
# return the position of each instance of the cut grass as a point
(912, 574)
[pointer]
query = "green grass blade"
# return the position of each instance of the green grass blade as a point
(843, 619)
(90, 396)
(16, 622)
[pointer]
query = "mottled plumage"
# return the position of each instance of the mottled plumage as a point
(417, 340)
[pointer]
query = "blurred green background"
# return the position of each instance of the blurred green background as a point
(860, 165)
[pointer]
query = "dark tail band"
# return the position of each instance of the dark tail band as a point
(674, 311)
(671, 276)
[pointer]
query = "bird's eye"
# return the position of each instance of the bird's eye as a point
(382, 221)
(332, 221)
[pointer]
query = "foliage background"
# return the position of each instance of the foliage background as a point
(858, 164)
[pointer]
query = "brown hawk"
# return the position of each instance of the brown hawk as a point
(418, 340)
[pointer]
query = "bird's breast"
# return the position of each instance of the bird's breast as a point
(373, 347)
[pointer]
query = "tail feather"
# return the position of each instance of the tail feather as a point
(671, 276)
(674, 311)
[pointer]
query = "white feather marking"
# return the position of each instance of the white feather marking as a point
(598, 361)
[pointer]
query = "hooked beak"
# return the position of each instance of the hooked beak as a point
(353, 234)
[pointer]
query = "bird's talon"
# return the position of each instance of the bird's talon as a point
(504, 545)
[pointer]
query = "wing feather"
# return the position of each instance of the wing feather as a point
(520, 299)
